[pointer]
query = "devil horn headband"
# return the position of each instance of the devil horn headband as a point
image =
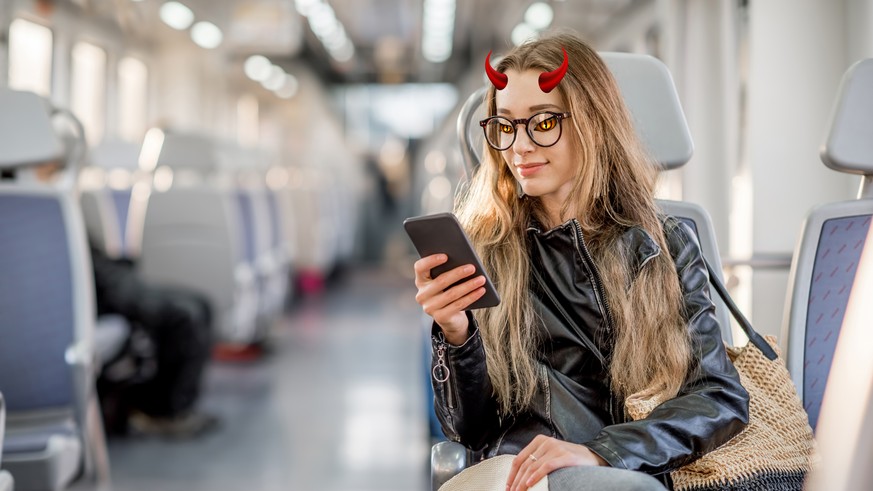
(498, 79)
(550, 80)
(547, 80)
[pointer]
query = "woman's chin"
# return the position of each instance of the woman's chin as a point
(532, 190)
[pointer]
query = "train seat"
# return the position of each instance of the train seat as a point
(651, 98)
(826, 256)
(192, 235)
(283, 217)
(6, 481)
(263, 246)
(281, 240)
(47, 359)
(106, 186)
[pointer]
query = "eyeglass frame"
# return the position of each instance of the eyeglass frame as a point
(515, 122)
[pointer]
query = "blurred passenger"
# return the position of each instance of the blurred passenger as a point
(602, 297)
(178, 325)
(178, 322)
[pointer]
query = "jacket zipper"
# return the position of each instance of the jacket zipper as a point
(592, 270)
(441, 373)
(601, 300)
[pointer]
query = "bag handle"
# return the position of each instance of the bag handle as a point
(744, 323)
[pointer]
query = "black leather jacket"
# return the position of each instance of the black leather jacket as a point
(574, 401)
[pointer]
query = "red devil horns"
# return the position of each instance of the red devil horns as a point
(498, 79)
(549, 80)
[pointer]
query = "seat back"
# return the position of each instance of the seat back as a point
(845, 434)
(106, 194)
(650, 96)
(36, 298)
(46, 289)
(47, 371)
(192, 236)
(827, 253)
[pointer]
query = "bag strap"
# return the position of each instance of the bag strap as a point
(744, 323)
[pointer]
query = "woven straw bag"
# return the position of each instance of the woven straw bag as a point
(488, 475)
(776, 449)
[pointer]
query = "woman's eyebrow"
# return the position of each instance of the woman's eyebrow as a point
(543, 106)
(538, 107)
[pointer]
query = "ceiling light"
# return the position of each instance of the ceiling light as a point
(438, 30)
(176, 15)
(344, 53)
(327, 28)
(522, 33)
(276, 79)
(257, 68)
(206, 35)
(290, 88)
(539, 15)
(305, 6)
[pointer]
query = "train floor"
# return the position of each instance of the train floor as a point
(337, 405)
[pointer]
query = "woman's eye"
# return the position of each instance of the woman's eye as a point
(547, 124)
(505, 128)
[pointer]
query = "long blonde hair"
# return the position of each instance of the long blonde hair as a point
(612, 190)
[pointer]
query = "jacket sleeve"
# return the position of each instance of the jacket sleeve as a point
(463, 395)
(711, 407)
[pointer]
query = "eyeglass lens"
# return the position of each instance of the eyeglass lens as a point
(543, 128)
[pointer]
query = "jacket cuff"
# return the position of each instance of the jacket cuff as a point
(437, 337)
(609, 455)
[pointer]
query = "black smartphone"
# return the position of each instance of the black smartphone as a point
(441, 233)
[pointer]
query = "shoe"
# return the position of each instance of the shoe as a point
(184, 426)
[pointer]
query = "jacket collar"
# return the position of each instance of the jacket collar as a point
(638, 243)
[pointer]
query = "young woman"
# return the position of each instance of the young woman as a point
(602, 297)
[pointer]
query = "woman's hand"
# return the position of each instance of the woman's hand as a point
(544, 455)
(447, 307)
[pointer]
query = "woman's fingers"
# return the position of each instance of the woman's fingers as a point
(428, 288)
(463, 302)
(423, 266)
(545, 455)
(528, 456)
(453, 299)
(445, 297)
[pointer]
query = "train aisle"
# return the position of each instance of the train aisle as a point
(338, 405)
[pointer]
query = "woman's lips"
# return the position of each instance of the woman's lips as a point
(528, 170)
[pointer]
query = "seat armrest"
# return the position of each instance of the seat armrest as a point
(447, 459)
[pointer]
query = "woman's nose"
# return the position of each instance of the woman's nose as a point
(522, 144)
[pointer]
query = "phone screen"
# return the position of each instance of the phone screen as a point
(441, 233)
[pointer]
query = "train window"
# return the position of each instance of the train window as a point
(30, 57)
(132, 98)
(88, 89)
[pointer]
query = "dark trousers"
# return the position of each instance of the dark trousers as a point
(178, 322)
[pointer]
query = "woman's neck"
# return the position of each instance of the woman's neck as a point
(551, 212)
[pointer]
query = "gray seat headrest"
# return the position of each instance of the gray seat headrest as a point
(849, 143)
(189, 151)
(26, 132)
(650, 96)
(113, 153)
